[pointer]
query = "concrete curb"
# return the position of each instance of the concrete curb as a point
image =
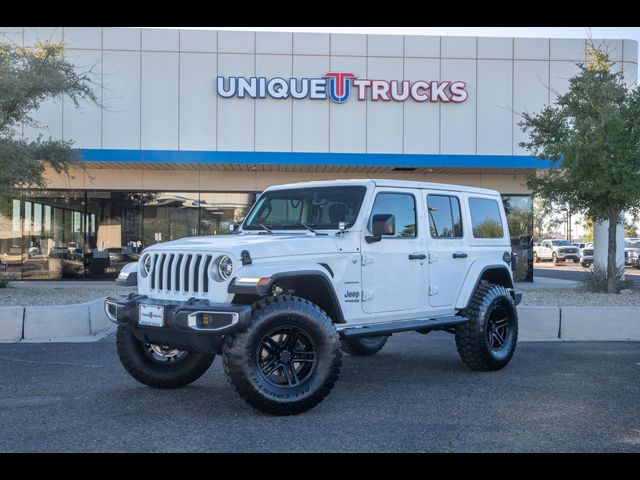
(87, 322)
(538, 324)
(602, 324)
(78, 322)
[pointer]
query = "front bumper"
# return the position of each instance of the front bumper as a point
(566, 256)
(179, 330)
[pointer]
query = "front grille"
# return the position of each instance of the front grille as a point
(180, 273)
(587, 251)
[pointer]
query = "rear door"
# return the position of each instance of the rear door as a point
(447, 256)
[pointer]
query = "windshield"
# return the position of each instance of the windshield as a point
(632, 244)
(320, 208)
(561, 243)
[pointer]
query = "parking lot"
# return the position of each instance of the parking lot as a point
(575, 271)
(415, 396)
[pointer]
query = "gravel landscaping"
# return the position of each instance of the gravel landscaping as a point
(572, 297)
(57, 295)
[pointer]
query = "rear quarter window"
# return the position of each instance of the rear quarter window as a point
(486, 220)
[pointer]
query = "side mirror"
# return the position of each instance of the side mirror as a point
(233, 227)
(381, 224)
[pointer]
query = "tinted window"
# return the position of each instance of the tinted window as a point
(323, 207)
(444, 216)
(561, 243)
(485, 218)
(402, 206)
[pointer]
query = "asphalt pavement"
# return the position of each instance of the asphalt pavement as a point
(576, 272)
(414, 396)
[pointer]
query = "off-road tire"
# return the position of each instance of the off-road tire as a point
(472, 337)
(145, 370)
(363, 346)
(576, 260)
(242, 349)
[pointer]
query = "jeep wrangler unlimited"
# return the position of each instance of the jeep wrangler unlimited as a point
(316, 268)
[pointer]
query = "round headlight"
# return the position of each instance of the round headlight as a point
(224, 267)
(146, 265)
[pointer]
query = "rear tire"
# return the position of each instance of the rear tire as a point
(363, 346)
(287, 360)
(158, 366)
(488, 340)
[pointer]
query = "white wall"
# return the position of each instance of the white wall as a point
(158, 89)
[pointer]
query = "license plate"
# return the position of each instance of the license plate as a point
(151, 316)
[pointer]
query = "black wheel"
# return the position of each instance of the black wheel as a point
(638, 264)
(487, 341)
(535, 257)
(363, 346)
(585, 265)
(554, 257)
(159, 366)
(576, 260)
(287, 360)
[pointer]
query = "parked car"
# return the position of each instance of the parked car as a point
(586, 255)
(556, 250)
(316, 267)
(579, 245)
(632, 252)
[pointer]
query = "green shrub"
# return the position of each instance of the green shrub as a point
(4, 281)
(596, 281)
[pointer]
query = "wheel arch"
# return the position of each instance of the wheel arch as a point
(312, 285)
(491, 273)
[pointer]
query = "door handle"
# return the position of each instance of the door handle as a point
(460, 255)
(417, 256)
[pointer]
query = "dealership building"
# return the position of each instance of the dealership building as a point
(194, 124)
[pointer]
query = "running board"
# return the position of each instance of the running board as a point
(388, 328)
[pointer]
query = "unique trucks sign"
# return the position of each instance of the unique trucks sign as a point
(338, 85)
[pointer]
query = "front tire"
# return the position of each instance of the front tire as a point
(535, 257)
(159, 366)
(487, 341)
(576, 260)
(554, 258)
(287, 360)
(363, 346)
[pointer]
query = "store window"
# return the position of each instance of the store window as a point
(92, 234)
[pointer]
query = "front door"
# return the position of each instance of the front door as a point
(448, 255)
(394, 268)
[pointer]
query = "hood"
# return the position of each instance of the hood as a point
(258, 245)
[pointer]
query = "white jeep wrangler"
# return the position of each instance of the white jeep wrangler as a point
(316, 268)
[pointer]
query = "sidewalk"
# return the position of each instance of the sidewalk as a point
(546, 282)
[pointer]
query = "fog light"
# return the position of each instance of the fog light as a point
(203, 320)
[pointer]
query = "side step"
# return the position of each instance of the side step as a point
(393, 327)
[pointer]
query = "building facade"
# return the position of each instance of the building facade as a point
(194, 124)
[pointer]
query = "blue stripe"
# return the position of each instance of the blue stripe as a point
(314, 158)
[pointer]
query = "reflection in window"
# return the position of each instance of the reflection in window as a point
(402, 206)
(444, 216)
(519, 211)
(486, 221)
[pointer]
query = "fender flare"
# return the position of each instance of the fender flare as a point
(472, 280)
(321, 274)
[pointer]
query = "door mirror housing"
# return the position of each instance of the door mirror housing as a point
(381, 224)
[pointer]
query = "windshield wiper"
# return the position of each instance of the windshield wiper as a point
(264, 227)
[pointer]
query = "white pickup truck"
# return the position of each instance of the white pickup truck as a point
(556, 250)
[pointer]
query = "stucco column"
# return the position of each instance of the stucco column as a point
(600, 241)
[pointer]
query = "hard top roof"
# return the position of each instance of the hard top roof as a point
(386, 183)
